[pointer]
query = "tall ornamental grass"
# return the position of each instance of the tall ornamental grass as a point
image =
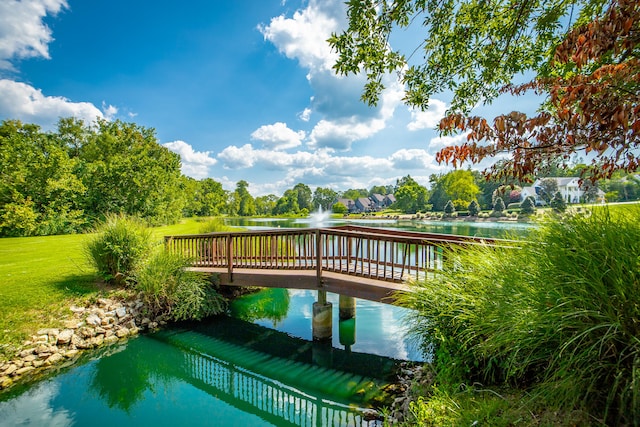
(169, 289)
(118, 245)
(559, 315)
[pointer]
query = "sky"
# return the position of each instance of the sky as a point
(241, 90)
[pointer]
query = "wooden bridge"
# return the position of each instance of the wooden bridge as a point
(363, 262)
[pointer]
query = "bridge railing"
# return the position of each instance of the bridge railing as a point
(382, 254)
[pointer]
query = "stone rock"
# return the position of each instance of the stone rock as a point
(103, 302)
(72, 324)
(100, 330)
(30, 358)
(5, 382)
(80, 343)
(122, 332)
(86, 332)
(10, 370)
(97, 341)
(77, 309)
(111, 339)
(65, 336)
(49, 331)
(109, 333)
(18, 362)
(93, 319)
(26, 352)
(53, 359)
(37, 363)
(24, 370)
(134, 330)
(71, 353)
(153, 325)
(121, 312)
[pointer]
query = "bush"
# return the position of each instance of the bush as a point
(561, 317)
(474, 208)
(215, 225)
(119, 245)
(449, 208)
(169, 289)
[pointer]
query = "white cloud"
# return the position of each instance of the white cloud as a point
(303, 37)
(440, 142)
(427, 119)
(22, 32)
(340, 134)
(23, 102)
(109, 111)
(305, 116)
(412, 159)
(194, 163)
(278, 136)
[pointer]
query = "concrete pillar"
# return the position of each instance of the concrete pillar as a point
(347, 307)
(322, 322)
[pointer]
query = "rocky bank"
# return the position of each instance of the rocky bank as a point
(103, 323)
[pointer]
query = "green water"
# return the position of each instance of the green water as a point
(257, 367)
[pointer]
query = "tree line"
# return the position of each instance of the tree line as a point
(66, 180)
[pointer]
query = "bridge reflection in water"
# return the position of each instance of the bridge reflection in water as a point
(278, 377)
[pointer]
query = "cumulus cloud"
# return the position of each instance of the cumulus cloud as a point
(427, 119)
(109, 111)
(440, 142)
(23, 34)
(194, 163)
(23, 102)
(305, 116)
(278, 136)
(411, 159)
(303, 37)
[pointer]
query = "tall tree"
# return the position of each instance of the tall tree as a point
(588, 68)
(324, 197)
(304, 196)
(245, 202)
(411, 197)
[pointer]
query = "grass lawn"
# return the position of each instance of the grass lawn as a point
(40, 277)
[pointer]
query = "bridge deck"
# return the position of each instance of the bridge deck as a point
(343, 284)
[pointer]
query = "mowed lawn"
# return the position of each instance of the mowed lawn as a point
(41, 277)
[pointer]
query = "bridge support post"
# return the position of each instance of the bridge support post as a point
(347, 307)
(347, 332)
(322, 322)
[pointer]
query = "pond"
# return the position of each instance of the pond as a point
(490, 229)
(256, 367)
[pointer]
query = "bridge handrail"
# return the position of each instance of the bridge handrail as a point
(378, 253)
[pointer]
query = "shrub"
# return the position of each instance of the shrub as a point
(215, 225)
(169, 289)
(339, 208)
(474, 208)
(449, 208)
(120, 243)
(528, 206)
(561, 317)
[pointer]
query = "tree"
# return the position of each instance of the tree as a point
(245, 202)
(498, 206)
(324, 197)
(449, 208)
(457, 185)
(588, 71)
(558, 203)
(528, 206)
(304, 196)
(473, 208)
(266, 204)
(288, 203)
(411, 197)
(548, 187)
(354, 193)
(508, 193)
(339, 208)
(381, 189)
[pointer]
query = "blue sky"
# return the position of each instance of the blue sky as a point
(240, 89)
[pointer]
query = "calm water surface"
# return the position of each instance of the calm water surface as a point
(256, 367)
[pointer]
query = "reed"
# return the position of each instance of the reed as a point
(560, 316)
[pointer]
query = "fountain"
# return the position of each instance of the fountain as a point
(319, 217)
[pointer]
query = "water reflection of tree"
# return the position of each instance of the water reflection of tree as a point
(122, 378)
(271, 303)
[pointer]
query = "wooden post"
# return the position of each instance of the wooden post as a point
(318, 258)
(230, 257)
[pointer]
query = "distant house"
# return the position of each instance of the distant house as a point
(389, 199)
(364, 204)
(375, 202)
(569, 188)
(350, 204)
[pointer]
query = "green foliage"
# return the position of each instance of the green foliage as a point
(471, 48)
(411, 197)
(324, 197)
(498, 205)
(215, 225)
(528, 206)
(559, 318)
(120, 243)
(340, 208)
(558, 203)
(449, 208)
(473, 208)
(169, 289)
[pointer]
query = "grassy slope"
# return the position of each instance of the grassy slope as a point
(40, 277)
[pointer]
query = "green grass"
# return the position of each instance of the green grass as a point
(40, 277)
